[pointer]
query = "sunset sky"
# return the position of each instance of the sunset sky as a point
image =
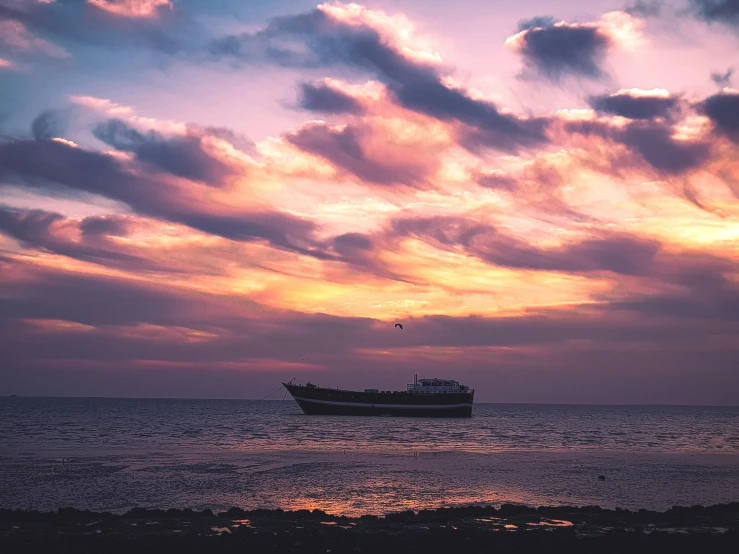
(201, 198)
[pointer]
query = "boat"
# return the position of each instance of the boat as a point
(422, 398)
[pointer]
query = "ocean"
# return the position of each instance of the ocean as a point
(115, 454)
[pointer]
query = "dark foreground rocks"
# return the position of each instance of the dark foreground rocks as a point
(515, 529)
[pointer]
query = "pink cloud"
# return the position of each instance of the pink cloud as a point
(132, 8)
(17, 37)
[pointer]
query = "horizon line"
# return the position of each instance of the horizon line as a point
(278, 400)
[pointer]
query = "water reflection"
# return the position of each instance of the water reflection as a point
(551, 523)
(401, 486)
(219, 454)
(57, 424)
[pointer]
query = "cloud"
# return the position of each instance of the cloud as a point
(353, 241)
(101, 104)
(705, 293)
(98, 300)
(49, 124)
(244, 329)
(105, 23)
(681, 284)
(367, 41)
(138, 320)
(617, 253)
(359, 251)
(723, 79)
(537, 187)
(185, 156)
(641, 8)
(132, 8)
(322, 97)
(238, 329)
(717, 11)
(120, 331)
(137, 129)
(662, 151)
(15, 38)
(330, 35)
(115, 226)
(85, 240)
(380, 216)
(653, 141)
(50, 163)
(354, 148)
(487, 126)
(636, 103)
(723, 111)
(555, 50)
(496, 180)
(537, 21)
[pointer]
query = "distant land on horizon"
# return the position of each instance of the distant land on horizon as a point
(290, 400)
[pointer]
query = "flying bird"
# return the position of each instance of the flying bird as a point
(399, 325)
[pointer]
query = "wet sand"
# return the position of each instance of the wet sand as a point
(357, 483)
(511, 528)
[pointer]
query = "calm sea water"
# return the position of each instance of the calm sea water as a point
(113, 454)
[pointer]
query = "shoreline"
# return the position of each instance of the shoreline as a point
(525, 528)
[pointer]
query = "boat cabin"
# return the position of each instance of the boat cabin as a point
(436, 386)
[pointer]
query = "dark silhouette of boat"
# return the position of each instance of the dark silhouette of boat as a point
(422, 398)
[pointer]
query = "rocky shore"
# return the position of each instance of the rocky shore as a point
(509, 528)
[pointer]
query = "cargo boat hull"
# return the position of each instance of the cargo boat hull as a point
(323, 401)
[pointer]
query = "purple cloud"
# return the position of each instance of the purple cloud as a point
(723, 111)
(555, 50)
(321, 97)
(166, 29)
(617, 253)
(320, 40)
(717, 11)
(185, 156)
(632, 105)
(653, 141)
(346, 148)
(48, 164)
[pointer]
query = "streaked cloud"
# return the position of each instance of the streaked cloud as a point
(185, 156)
(42, 164)
(87, 240)
(367, 41)
(151, 23)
